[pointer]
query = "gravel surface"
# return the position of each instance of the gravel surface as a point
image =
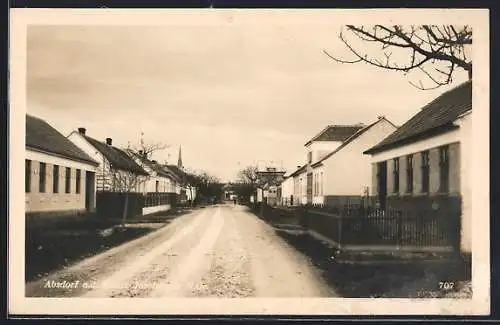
(220, 251)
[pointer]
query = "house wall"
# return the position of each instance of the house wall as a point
(103, 175)
(459, 174)
(287, 191)
(320, 149)
(348, 172)
(61, 202)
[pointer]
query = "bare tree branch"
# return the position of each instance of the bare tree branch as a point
(425, 46)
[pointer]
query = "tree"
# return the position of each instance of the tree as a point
(207, 185)
(434, 51)
(247, 181)
(127, 181)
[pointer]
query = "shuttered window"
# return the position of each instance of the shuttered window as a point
(444, 169)
(55, 179)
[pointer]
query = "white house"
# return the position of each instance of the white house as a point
(59, 177)
(114, 164)
(326, 141)
(160, 187)
(343, 176)
(286, 191)
(425, 164)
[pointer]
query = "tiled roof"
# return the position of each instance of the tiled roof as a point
(296, 172)
(152, 165)
(176, 170)
(116, 157)
(434, 118)
(41, 136)
(350, 139)
(336, 133)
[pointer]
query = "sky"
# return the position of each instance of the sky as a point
(230, 92)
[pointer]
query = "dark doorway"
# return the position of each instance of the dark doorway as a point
(382, 184)
(89, 191)
(309, 188)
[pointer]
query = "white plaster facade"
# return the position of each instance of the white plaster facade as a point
(461, 136)
(348, 171)
(47, 200)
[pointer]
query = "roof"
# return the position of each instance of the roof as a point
(158, 168)
(350, 139)
(117, 157)
(296, 172)
(336, 133)
(434, 118)
(42, 136)
(176, 170)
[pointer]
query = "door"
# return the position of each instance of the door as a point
(309, 188)
(89, 191)
(382, 184)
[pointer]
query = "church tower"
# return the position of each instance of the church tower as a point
(179, 161)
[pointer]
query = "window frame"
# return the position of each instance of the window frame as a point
(409, 174)
(55, 179)
(28, 166)
(67, 180)
(426, 171)
(42, 183)
(444, 164)
(78, 181)
(395, 173)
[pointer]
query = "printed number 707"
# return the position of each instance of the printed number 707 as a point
(446, 285)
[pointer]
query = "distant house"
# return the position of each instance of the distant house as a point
(158, 184)
(426, 163)
(59, 177)
(326, 141)
(114, 163)
(187, 192)
(285, 191)
(343, 176)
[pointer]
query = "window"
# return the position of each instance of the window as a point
(396, 175)
(27, 176)
(444, 169)
(68, 180)
(425, 171)
(43, 175)
(157, 186)
(78, 180)
(309, 157)
(55, 179)
(409, 174)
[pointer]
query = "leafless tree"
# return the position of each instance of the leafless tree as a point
(127, 181)
(435, 51)
(248, 175)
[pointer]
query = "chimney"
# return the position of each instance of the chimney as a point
(298, 166)
(380, 117)
(109, 141)
(82, 130)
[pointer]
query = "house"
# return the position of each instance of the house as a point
(285, 191)
(343, 176)
(426, 163)
(59, 177)
(160, 187)
(120, 181)
(322, 144)
(186, 192)
(117, 171)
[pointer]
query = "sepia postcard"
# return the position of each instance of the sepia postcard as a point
(249, 162)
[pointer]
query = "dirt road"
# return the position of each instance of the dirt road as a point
(221, 251)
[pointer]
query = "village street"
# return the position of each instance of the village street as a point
(219, 251)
